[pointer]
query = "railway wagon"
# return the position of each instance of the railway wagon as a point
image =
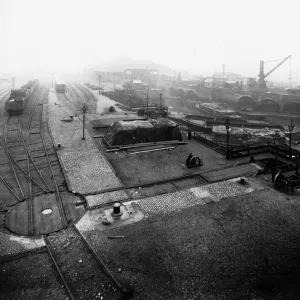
(16, 101)
(31, 85)
(60, 87)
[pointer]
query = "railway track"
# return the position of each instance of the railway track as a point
(21, 159)
(208, 143)
(31, 164)
(84, 274)
(4, 93)
(90, 99)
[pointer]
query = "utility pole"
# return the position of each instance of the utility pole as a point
(99, 83)
(84, 110)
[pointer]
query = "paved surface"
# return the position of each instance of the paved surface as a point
(11, 244)
(198, 195)
(176, 201)
(86, 169)
(100, 199)
(244, 247)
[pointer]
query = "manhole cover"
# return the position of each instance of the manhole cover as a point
(47, 211)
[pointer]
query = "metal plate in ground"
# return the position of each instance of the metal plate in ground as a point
(92, 220)
(18, 218)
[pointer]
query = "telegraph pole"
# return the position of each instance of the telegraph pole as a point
(84, 110)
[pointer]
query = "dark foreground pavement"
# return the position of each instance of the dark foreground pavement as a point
(246, 247)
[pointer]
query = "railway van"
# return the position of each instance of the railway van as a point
(60, 87)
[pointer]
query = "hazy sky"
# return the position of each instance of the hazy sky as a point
(58, 35)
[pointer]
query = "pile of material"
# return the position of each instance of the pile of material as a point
(238, 135)
(131, 132)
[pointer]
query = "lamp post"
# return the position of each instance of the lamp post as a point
(291, 128)
(276, 139)
(130, 101)
(84, 110)
(99, 83)
(52, 81)
(227, 126)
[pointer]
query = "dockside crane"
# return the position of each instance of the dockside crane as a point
(262, 76)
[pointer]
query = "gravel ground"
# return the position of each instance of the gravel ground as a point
(246, 247)
(33, 277)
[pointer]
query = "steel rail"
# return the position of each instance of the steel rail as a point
(14, 172)
(25, 144)
(10, 189)
(71, 85)
(58, 198)
(29, 155)
(99, 260)
(68, 288)
(12, 166)
(26, 174)
(84, 89)
(73, 89)
(30, 202)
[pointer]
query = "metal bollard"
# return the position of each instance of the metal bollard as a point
(117, 210)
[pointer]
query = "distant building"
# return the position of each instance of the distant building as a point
(209, 82)
(230, 77)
